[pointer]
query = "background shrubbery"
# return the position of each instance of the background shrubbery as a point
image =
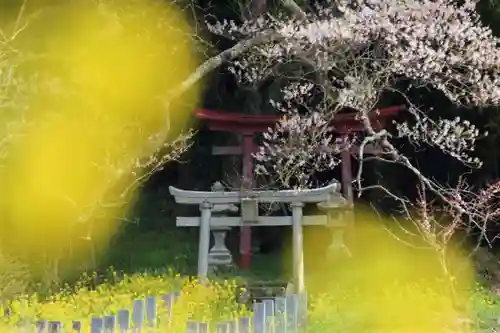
(15, 278)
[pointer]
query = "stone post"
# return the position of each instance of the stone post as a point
(204, 242)
(298, 246)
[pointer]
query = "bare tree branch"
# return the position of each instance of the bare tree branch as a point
(225, 56)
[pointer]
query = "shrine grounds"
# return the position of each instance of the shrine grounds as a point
(146, 261)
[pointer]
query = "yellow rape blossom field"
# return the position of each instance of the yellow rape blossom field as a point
(201, 302)
(339, 307)
(386, 288)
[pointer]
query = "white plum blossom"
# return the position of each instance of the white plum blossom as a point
(455, 137)
(352, 53)
(344, 56)
(293, 157)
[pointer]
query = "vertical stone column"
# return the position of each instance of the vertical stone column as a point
(298, 246)
(247, 184)
(204, 242)
(346, 220)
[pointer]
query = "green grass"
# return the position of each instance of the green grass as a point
(150, 241)
(177, 250)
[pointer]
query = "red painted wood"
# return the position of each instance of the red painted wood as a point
(246, 231)
(246, 124)
(347, 175)
(370, 149)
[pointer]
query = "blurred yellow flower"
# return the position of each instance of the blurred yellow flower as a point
(102, 71)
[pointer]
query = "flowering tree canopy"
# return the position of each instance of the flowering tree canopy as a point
(348, 55)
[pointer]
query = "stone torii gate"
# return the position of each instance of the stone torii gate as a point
(328, 199)
(248, 125)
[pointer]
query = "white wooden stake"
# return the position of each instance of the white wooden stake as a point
(204, 242)
(298, 246)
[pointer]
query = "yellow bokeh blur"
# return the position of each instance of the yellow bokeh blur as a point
(101, 71)
(393, 282)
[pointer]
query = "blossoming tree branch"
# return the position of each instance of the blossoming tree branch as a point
(346, 55)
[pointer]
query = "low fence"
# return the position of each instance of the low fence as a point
(284, 314)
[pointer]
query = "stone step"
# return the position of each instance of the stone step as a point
(260, 290)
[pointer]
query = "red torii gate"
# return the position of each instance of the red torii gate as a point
(249, 125)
